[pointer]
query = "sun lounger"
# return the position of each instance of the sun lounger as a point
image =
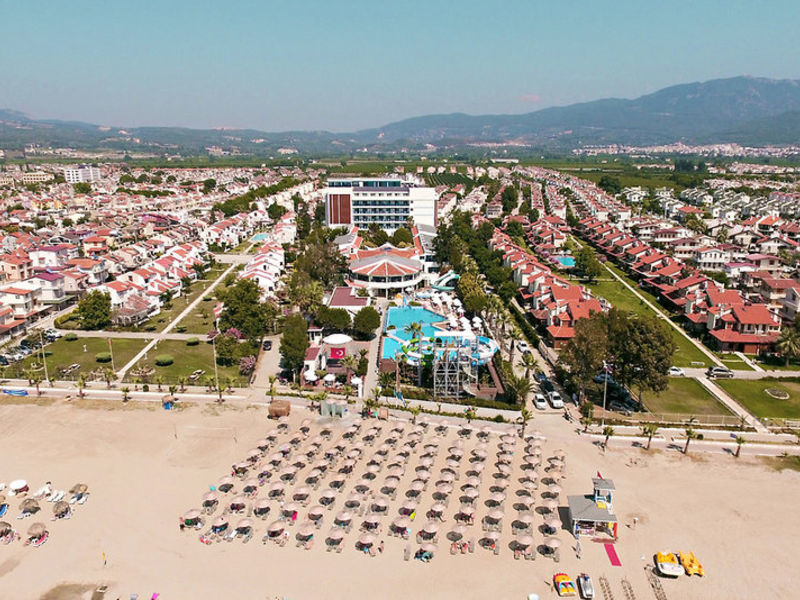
(83, 499)
(339, 548)
(52, 496)
(41, 540)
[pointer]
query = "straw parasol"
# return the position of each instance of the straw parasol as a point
(553, 523)
(335, 535)
(250, 484)
(401, 523)
(244, 524)
(306, 530)
(552, 543)
(380, 503)
(37, 530)
(409, 505)
(444, 488)
(366, 539)
(497, 497)
(344, 516)
(190, 515)
(79, 488)
(225, 484)
(220, 522)
(316, 511)
(29, 505)
(495, 515)
(301, 492)
(261, 506)
(62, 508)
(210, 498)
(290, 508)
(276, 527)
(438, 508)
(431, 527)
(428, 547)
(550, 505)
(492, 536)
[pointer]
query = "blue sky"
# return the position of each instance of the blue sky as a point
(342, 66)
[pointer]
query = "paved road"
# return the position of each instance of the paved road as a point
(731, 404)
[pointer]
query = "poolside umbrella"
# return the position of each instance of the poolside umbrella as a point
(250, 485)
(380, 504)
(306, 530)
(37, 530)
(301, 493)
(401, 523)
(457, 533)
(225, 484)
(472, 481)
(366, 539)
(29, 505)
(243, 525)
(495, 515)
(335, 535)
(210, 498)
(550, 505)
(344, 516)
(62, 508)
(552, 543)
(444, 488)
(316, 511)
(431, 527)
(275, 527)
(553, 523)
(261, 507)
(437, 509)
(524, 541)
(497, 497)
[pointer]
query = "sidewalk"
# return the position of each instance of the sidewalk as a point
(731, 404)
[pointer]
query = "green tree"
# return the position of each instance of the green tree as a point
(272, 380)
(366, 321)
(520, 388)
(350, 363)
(333, 318)
(109, 376)
(244, 310)
(81, 384)
(528, 361)
(649, 430)
(690, 435)
(94, 310)
(610, 185)
(740, 441)
(415, 410)
(524, 416)
(226, 347)
(788, 343)
(402, 237)
(608, 432)
(586, 263)
(182, 382)
(82, 188)
(126, 393)
(294, 343)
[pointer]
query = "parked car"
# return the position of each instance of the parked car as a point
(603, 377)
(677, 372)
(539, 401)
(523, 347)
(723, 372)
(555, 399)
(3, 361)
(267, 345)
(540, 377)
(53, 333)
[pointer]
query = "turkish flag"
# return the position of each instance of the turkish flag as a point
(337, 353)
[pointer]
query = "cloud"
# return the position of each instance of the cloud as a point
(530, 98)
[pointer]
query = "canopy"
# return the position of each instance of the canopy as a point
(337, 339)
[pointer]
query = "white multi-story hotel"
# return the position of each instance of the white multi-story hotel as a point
(82, 174)
(387, 201)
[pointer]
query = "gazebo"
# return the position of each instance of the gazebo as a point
(594, 513)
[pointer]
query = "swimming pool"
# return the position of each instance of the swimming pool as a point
(260, 237)
(566, 261)
(400, 317)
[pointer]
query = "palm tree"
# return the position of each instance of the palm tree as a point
(469, 414)
(160, 381)
(386, 379)
(173, 389)
(608, 431)
(521, 388)
(209, 380)
(108, 375)
(788, 343)
(182, 381)
(136, 382)
(81, 384)
(126, 392)
(515, 336)
(415, 331)
(740, 441)
(528, 362)
(690, 435)
(649, 430)
(415, 410)
(272, 380)
(30, 373)
(586, 422)
(347, 390)
(37, 379)
(230, 382)
(349, 362)
(524, 416)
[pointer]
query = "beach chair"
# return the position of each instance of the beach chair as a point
(328, 548)
(496, 550)
(472, 545)
(309, 544)
(83, 498)
(339, 548)
(407, 553)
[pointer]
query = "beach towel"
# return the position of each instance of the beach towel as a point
(612, 555)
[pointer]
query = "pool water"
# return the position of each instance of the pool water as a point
(566, 261)
(260, 237)
(400, 317)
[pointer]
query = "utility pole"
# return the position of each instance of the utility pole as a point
(44, 360)
(214, 346)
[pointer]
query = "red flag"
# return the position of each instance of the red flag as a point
(218, 309)
(599, 476)
(337, 353)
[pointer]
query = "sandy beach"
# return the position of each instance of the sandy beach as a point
(146, 467)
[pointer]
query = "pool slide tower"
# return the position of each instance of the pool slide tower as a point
(455, 369)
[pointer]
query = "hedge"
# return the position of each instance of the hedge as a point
(164, 360)
(103, 357)
(525, 325)
(192, 341)
(71, 337)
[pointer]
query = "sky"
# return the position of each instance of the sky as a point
(348, 65)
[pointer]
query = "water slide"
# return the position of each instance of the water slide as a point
(443, 283)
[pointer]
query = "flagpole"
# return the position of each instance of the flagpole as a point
(214, 346)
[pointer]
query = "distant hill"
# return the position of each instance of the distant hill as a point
(749, 110)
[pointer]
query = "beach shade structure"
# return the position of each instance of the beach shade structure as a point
(190, 518)
(250, 485)
(396, 471)
(313, 476)
(507, 438)
(290, 508)
(538, 435)
(529, 484)
(276, 489)
(327, 496)
(437, 509)
(491, 536)
(560, 454)
(29, 505)
(237, 503)
(225, 484)
(343, 517)
(455, 452)
(526, 501)
(423, 475)
(316, 512)
(550, 505)
(446, 477)
(373, 467)
(305, 425)
(36, 530)
(391, 481)
(253, 455)
(321, 464)
(495, 515)
(383, 449)
(276, 528)
(337, 481)
(264, 473)
(504, 458)
(61, 509)
(275, 458)
(452, 465)
(262, 445)
(408, 507)
(78, 488)
(353, 501)
(484, 431)
(244, 526)
(465, 510)
(503, 469)
(20, 485)
(471, 493)
(210, 499)
(415, 487)
(425, 463)
(380, 504)
(479, 453)
(371, 521)
(219, 525)
(525, 517)
(301, 493)
(444, 489)
(305, 530)
(365, 540)
(241, 468)
(288, 472)
(261, 507)
(552, 544)
(523, 541)
(497, 498)
(401, 523)
(553, 523)
(456, 533)
(300, 462)
(362, 486)
(271, 435)
(335, 536)
(472, 481)
(531, 459)
(431, 528)
(554, 489)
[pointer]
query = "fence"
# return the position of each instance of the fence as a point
(680, 419)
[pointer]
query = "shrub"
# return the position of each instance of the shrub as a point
(192, 341)
(150, 328)
(71, 337)
(499, 419)
(145, 388)
(103, 357)
(247, 365)
(181, 329)
(164, 360)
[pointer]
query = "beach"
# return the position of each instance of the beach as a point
(145, 467)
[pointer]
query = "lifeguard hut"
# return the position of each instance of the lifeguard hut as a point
(594, 514)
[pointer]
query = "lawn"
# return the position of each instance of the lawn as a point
(187, 360)
(775, 363)
(683, 396)
(200, 320)
(622, 298)
(752, 395)
(732, 361)
(81, 351)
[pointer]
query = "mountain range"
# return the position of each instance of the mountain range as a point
(748, 110)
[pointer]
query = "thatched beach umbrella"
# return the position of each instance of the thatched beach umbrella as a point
(225, 484)
(306, 530)
(431, 527)
(437, 509)
(261, 507)
(380, 504)
(366, 539)
(344, 516)
(210, 499)
(5, 528)
(29, 505)
(495, 515)
(552, 543)
(244, 525)
(456, 533)
(335, 535)
(316, 512)
(401, 523)
(524, 541)
(37, 530)
(276, 527)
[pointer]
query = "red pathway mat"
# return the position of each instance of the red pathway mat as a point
(612, 555)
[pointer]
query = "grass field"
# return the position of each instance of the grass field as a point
(685, 396)
(200, 320)
(622, 298)
(732, 361)
(187, 360)
(63, 354)
(775, 363)
(752, 395)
